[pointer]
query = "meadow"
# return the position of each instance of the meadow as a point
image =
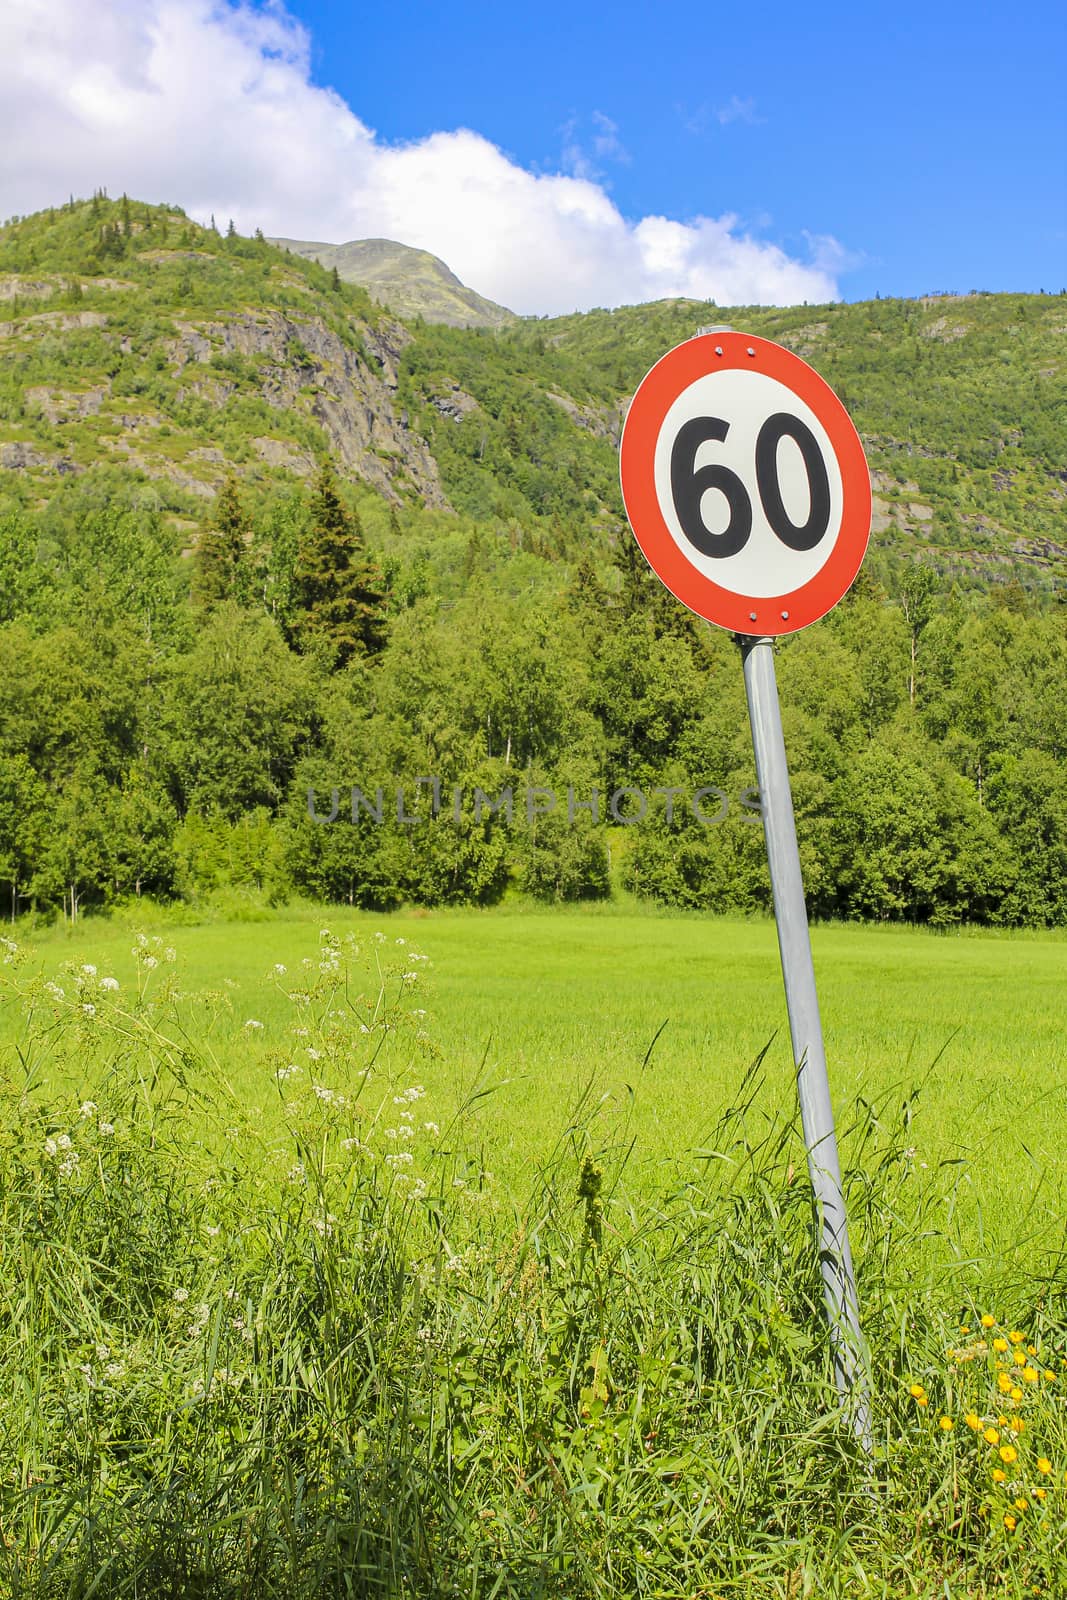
(470, 1253)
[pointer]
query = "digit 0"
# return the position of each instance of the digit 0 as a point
(806, 535)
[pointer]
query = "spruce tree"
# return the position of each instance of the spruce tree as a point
(335, 281)
(220, 555)
(338, 593)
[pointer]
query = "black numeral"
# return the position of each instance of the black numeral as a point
(690, 483)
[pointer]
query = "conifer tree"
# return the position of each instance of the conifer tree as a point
(338, 593)
(335, 281)
(220, 556)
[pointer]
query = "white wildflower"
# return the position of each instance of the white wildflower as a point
(87, 1108)
(89, 970)
(102, 1352)
(252, 1023)
(150, 962)
(287, 1072)
(114, 1369)
(181, 1295)
(89, 1009)
(279, 969)
(54, 990)
(313, 1054)
(109, 983)
(107, 1129)
(400, 1159)
(170, 954)
(431, 1127)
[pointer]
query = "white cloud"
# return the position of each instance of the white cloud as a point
(212, 106)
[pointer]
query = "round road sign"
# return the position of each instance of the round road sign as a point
(745, 484)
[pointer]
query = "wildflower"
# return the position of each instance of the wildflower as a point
(106, 1129)
(991, 1436)
(1031, 1350)
(63, 1141)
(431, 1127)
(109, 983)
(87, 1109)
(972, 1420)
(252, 1023)
(89, 1009)
(279, 969)
(312, 1053)
(1009, 1522)
(1039, 1494)
(1019, 1357)
(1000, 1345)
(946, 1424)
(1050, 1377)
(211, 1231)
(401, 1158)
(54, 990)
(170, 954)
(89, 970)
(1008, 1454)
(1017, 1424)
(1016, 1337)
(1022, 1503)
(114, 1369)
(1004, 1383)
(999, 1475)
(181, 1295)
(1044, 1465)
(965, 1330)
(150, 962)
(988, 1321)
(1016, 1394)
(1030, 1374)
(916, 1390)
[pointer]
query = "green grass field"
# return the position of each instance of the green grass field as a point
(385, 1264)
(541, 1003)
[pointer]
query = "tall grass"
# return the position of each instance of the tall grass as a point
(318, 1353)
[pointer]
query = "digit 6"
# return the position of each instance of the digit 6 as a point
(688, 486)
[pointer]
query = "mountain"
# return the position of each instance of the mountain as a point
(138, 345)
(411, 283)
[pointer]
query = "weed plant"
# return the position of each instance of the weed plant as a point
(315, 1353)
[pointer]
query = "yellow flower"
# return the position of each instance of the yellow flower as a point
(1044, 1464)
(921, 1400)
(973, 1420)
(1017, 1424)
(1039, 1494)
(1016, 1337)
(965, 1331)
(1016, 1394)
(1000, 1344)
(999, 1474)
(1004, 1383)
(1019, 1357)
(991, 1436)
(1008, 1454)
(988, 1321)
(1030, 1374)
(1022, 1503)
(1050, 1377)
(946, 1424)
(1009, 1523)
(1031, 1350)
(917, 1390)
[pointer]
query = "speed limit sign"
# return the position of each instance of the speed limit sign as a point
(745, 484)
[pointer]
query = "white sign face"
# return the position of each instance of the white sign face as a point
(745, 484)
(787, 470)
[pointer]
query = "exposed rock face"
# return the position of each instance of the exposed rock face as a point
(306, 367)
(603, 421)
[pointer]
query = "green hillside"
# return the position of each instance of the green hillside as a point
(260, 538)
(412, 283)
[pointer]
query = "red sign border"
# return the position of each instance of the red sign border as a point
(760, 615)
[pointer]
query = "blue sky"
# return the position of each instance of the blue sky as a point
(929, 141)
(560, 157)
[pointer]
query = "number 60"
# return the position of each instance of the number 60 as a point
(690, 483)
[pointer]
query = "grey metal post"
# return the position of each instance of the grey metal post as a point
(851, 1361)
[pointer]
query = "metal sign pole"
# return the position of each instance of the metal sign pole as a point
(851, 1361)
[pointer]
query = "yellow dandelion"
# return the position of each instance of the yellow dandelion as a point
(1044, 1465)
(1019, 1357)
(1002, 1420)
(1008, 1454)
(973, 1420)
(921, 1400)
(1039, 1494)
(991, 1436)
(1031, 1350)
(917, 1390)
(988, 1321)
(1030, 1374)
(965, 1331)
(1016, 1394)
(1004, 1383)
(1016, 1337)
(999, 1474)
(1009, 1522)
(1000, 1344)
(1022, 1503)
(1050, 1377)
(946, 1424)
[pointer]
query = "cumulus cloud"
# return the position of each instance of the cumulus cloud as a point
(212, 105)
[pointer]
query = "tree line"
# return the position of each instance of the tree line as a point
(165, 719)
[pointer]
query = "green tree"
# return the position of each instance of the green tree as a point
(338, 594)
(221, 563)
